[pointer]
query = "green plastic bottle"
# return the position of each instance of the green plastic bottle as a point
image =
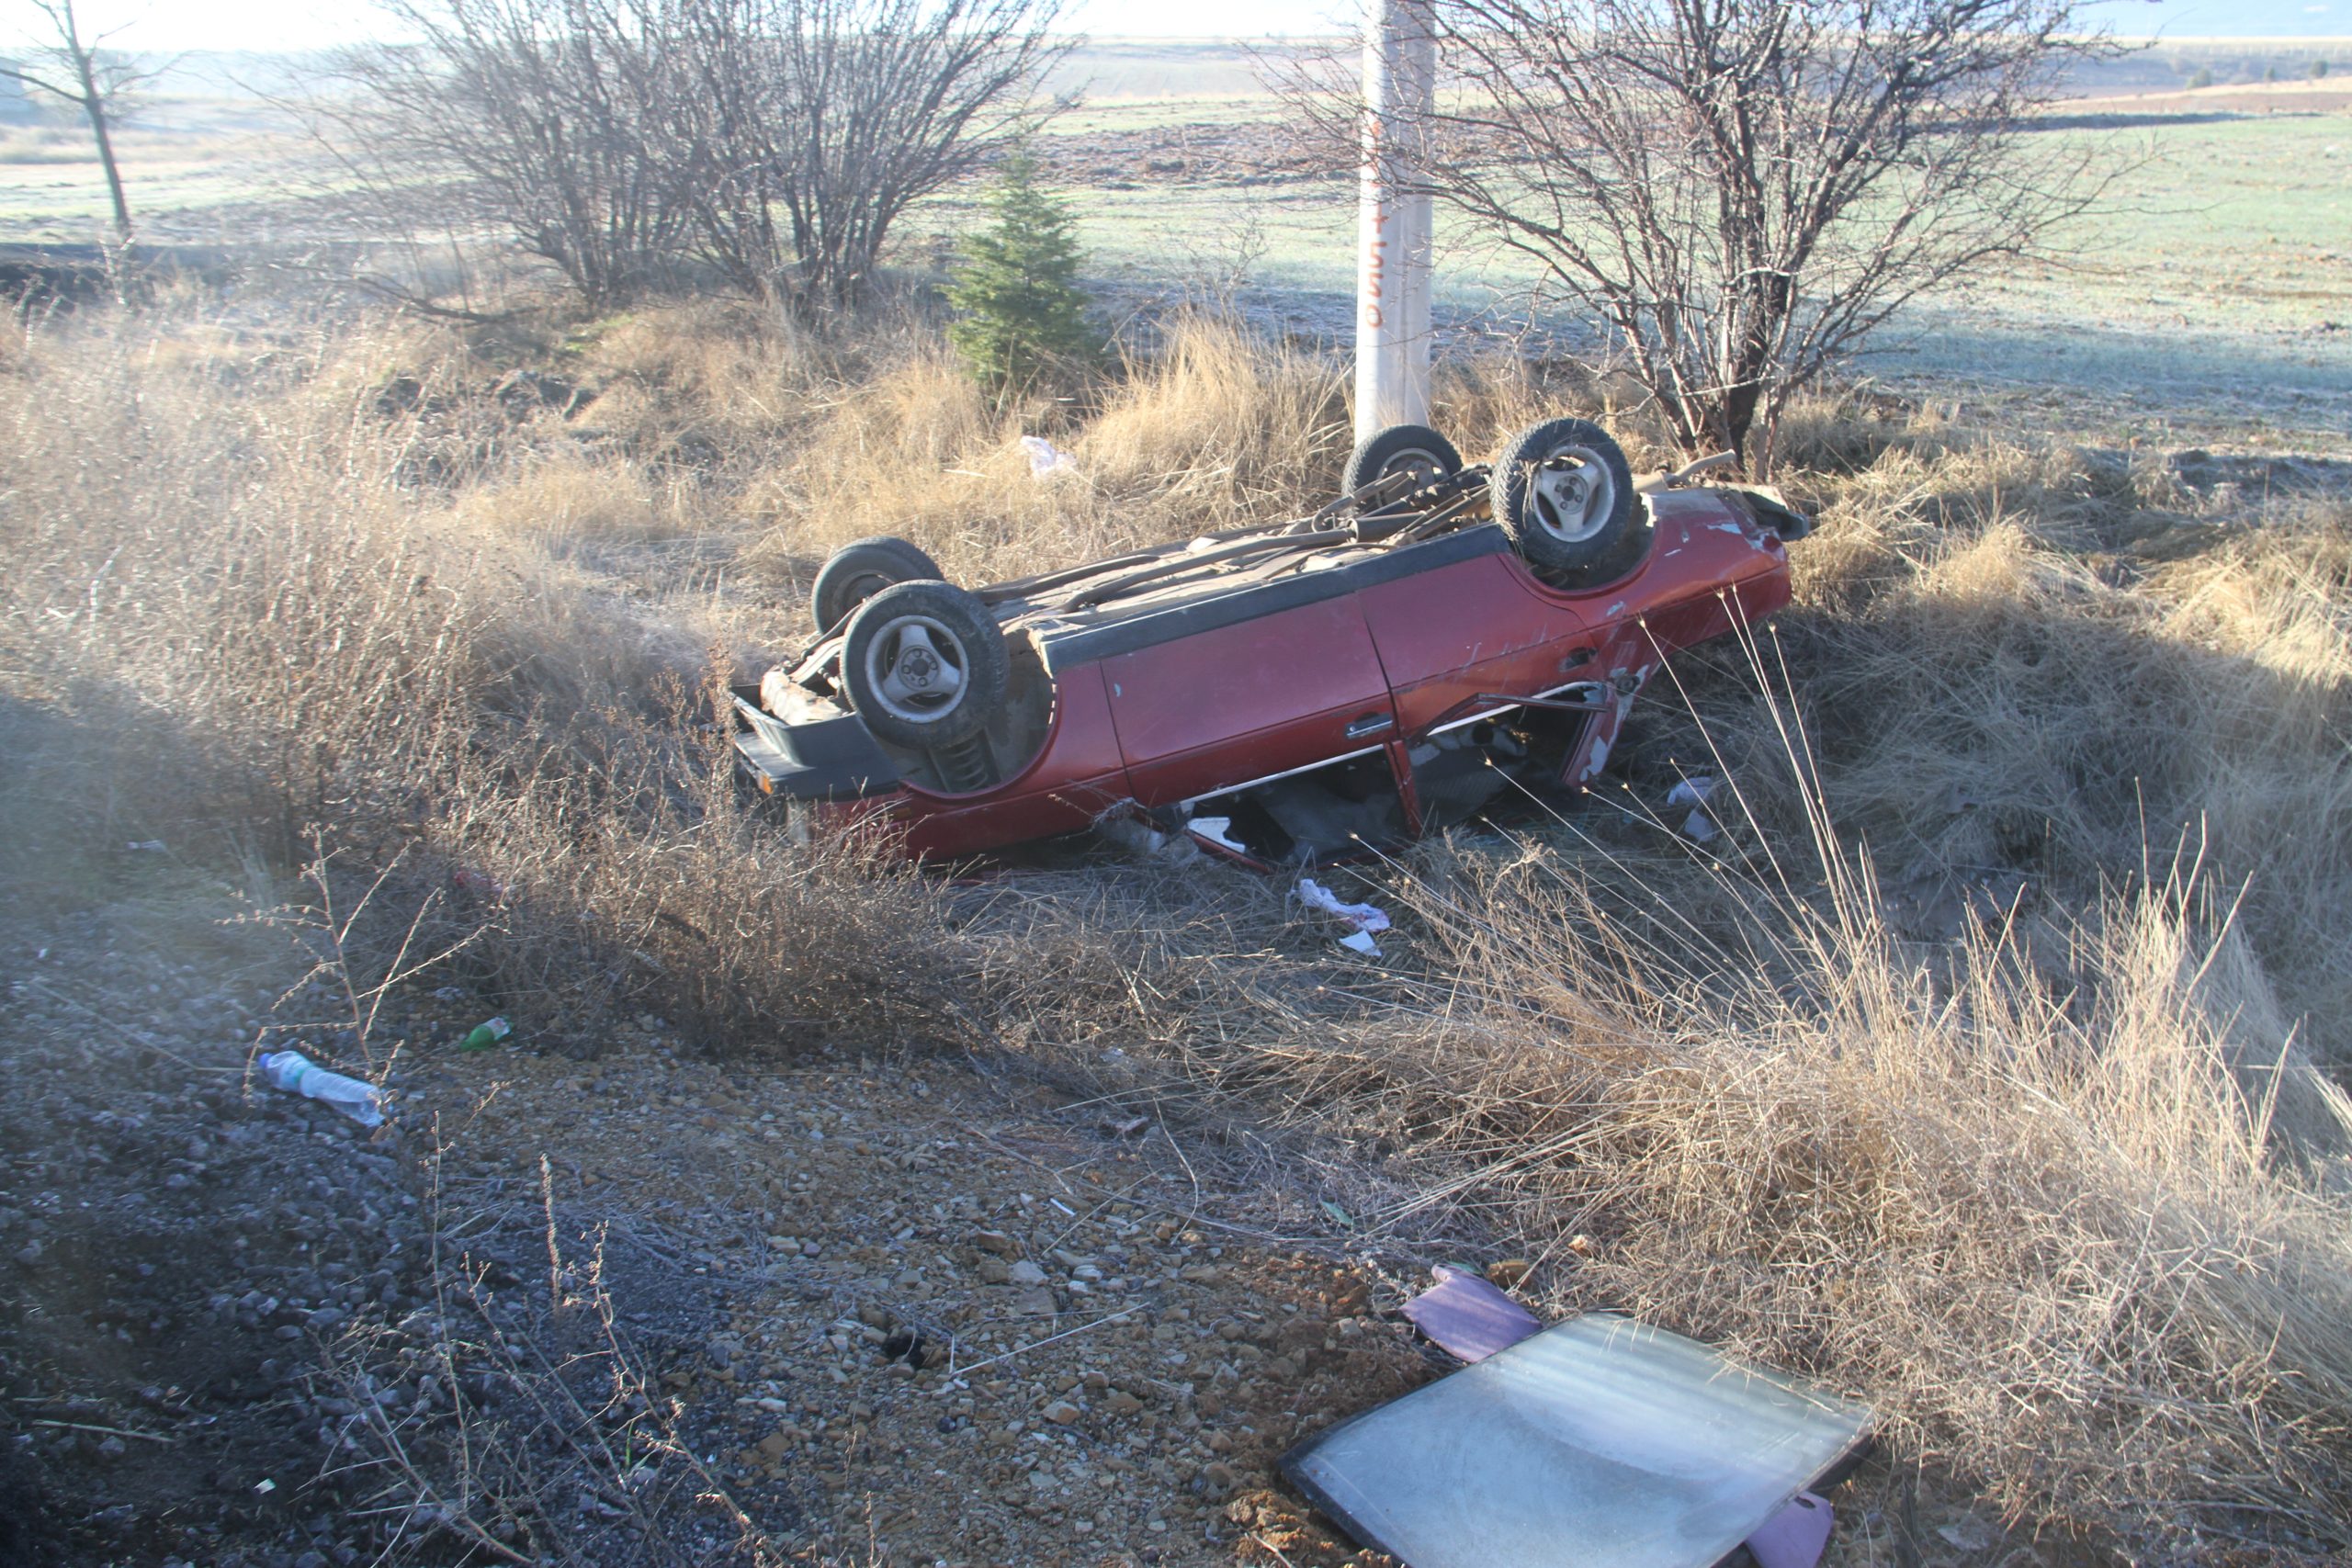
(485, 1035)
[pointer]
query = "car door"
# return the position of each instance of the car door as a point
(1470, 627)
(1278, 677)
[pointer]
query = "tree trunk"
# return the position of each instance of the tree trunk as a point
(94, 105)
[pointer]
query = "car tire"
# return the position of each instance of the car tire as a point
(1575, 523)
(926, 665)
(1399, 446)
(858, 571)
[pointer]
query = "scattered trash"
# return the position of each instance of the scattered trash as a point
(450, 994)
(1366, 918)
(1337, 1215)
(1507, 1272)
(1697, 827)
(147, 846)
(1129, 1127)
(485, 1035)
(1596, 1441)
(1045, 458)
(1467, 1318)
(292, 1071)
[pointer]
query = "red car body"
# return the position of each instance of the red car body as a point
(1363, 663)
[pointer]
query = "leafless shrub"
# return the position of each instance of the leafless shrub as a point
(541, 118)
(777, 140)
(879, 103)
(1740, 195)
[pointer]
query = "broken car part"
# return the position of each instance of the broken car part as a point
(1597, 1443)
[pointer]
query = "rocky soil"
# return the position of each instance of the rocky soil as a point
(623, 1303)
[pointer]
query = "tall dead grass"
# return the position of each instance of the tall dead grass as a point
(2079, 1227)
(2011, 663)
(1214, 429)
(250, 618)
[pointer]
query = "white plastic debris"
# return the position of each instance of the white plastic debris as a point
(1045, 458)
(1697, 827)
(292, 1071)
(1365, 918)
(1217, 831)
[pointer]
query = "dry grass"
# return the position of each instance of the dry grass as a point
(1215, 430)
(2073, 1219)
(2055, 1186)
(245, 613)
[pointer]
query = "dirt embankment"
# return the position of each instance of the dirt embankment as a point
(626, 1304)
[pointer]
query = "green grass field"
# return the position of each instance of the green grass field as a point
(2210, 298)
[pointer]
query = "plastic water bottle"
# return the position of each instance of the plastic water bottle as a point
(292, 1071)
(484, 1035)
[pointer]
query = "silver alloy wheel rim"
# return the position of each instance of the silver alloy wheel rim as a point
(1571, 504)
(914, 668)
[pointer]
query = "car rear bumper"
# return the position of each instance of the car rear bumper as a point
(831, 759)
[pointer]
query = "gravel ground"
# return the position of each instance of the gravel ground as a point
(640, 1306)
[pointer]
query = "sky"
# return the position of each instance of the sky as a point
(269, 25)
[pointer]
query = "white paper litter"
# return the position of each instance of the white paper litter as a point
(1366, 918)
(1697, 827)
(1045, 458)
(1363, 917)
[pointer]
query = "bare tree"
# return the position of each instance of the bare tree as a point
(777, 140)
(808, 127)
(884, 102)
(1742, 191)
(92, 78)
(543, 117)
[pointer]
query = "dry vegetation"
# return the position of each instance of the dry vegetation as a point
(1973, 1069)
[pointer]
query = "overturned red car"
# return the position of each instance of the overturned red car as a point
(1380, 668)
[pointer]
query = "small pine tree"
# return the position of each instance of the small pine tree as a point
(1024, 313)
(2319, 69)
(2204, 78)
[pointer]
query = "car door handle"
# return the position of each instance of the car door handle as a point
(1370, 724)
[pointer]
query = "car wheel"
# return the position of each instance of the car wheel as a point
(1396, 450)
(926, 665)
(858, 571)
(1565, 494)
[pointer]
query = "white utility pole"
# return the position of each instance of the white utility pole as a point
(1393, 227)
